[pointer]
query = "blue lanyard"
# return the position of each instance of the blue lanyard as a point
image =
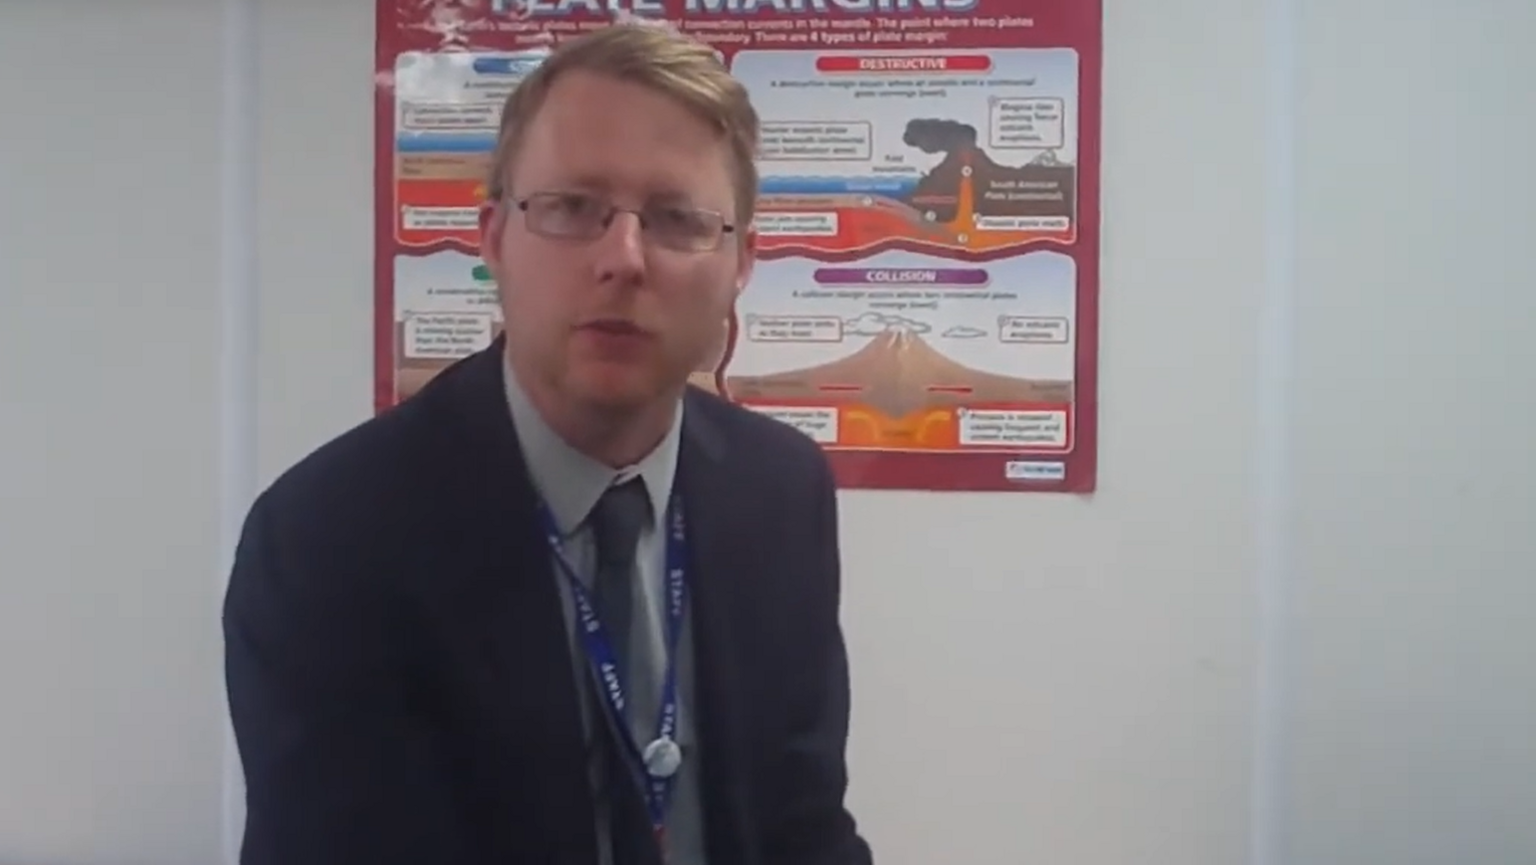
(657, 761)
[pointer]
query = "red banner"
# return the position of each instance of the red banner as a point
(926, 299)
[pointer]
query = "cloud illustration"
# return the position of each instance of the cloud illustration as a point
(962, 331)
(874, 324)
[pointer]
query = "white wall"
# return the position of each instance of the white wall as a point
(1294, 627)
(110, 710)
(1412, 654)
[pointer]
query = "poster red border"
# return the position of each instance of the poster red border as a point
(1074, 25)
(385, 51)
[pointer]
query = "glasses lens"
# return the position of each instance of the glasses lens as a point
(567, 214)
(683, 228)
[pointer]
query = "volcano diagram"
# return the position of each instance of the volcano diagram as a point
(1043, 188)
(897, 373)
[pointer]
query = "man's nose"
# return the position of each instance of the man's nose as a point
(621, 249)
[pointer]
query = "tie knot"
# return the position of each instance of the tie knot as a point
(616, 521)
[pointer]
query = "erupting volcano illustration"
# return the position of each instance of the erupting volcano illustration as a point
(897, 373)
(968, 188)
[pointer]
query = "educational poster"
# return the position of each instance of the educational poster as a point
(925, 300)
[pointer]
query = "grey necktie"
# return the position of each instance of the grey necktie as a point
(616, 521)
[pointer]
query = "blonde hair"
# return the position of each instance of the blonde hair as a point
(658, 57)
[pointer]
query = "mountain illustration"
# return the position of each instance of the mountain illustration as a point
(896, 373)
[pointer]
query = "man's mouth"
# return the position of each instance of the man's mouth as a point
(614, 327)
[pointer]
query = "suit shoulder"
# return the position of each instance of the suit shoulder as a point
(363, 477)
(773, 444)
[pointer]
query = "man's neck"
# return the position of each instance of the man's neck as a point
(617, 439)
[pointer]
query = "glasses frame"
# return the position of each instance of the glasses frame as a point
(525, 204)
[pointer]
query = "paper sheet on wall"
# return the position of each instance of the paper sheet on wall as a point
(925, 302)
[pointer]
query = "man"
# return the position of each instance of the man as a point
(560, 607)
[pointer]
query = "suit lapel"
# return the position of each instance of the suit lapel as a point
(712, 523)
(518, 616)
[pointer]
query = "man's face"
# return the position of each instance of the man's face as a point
(618, 321)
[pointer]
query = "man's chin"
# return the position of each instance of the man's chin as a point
(621, 393)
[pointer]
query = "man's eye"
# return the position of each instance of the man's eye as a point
(676, 219)
(575, 205)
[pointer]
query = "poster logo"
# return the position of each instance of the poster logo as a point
(517, 9)
(452, 21)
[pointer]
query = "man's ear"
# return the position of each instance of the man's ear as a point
(492, 222)
(746, 260)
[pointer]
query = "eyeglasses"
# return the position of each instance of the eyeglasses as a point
(586, 216)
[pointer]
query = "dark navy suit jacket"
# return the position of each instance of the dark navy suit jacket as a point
(399, 673)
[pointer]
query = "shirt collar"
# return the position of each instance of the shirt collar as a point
(571, 482)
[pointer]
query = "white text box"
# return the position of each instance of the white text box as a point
(1026, 122)
(794, 328)
(1013, 428)
(447, 335)
(818, 423)
(1032, 328)
(451, 116)
(440, 218)
(1023, 223)
(784, 223)
(817, 140)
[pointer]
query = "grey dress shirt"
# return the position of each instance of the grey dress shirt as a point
(570, 484)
